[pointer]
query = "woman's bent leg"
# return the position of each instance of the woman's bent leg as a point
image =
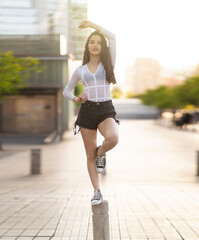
(89, 137)
(109, 130)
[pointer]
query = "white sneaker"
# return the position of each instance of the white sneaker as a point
(97, 198)
(100, 162)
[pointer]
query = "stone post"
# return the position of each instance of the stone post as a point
(101, 221)
(35, 161)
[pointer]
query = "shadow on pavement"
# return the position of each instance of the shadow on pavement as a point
(23, 139)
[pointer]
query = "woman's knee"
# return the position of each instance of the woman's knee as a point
(113, 139)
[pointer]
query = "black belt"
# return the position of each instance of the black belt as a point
(104, 103)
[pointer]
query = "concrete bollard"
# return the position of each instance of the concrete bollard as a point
(197, 163)
(35, 161)
(101, 221)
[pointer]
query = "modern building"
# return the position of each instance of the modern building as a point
(34, 17)
(172, 81)
(44, 30)
(144, 74)
(40, 108)
(77, 37)
(18, 17)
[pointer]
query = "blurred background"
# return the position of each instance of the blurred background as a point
(151, 178)
(40, 44)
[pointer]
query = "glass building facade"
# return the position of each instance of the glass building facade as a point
(77, 37)
(32, 17)
(18, 17)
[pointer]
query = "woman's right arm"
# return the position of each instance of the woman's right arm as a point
(67, 93)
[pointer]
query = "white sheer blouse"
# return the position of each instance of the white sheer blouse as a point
(95, 85)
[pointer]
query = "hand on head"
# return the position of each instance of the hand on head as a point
(84, 24)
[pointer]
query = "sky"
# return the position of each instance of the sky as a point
(165, 30)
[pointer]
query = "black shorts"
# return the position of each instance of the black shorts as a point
(91, 114)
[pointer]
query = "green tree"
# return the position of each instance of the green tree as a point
(161, 97)
(177, 97)
(188, 93)
(130, 94)
(14, 71)
(78, 90)
(116, 92)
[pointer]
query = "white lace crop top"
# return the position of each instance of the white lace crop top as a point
(95, 85)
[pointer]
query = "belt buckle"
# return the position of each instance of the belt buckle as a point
(97, 103)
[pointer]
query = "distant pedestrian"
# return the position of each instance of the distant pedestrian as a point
(97, 111)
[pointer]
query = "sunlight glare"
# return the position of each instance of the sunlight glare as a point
(165, 30)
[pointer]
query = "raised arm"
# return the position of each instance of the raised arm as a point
(87, 23)
(109, 35)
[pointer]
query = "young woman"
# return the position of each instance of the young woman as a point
(97, 111)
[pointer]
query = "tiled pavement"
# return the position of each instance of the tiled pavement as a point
(150, 184)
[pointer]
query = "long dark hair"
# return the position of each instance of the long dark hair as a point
(105, 57)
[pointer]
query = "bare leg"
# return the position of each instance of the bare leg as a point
(89, 137)
(109, 130)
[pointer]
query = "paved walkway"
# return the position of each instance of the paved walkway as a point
(150, 184)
